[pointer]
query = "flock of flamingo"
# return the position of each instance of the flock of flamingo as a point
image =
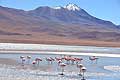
(62, 62)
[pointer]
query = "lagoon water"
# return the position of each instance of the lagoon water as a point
(106, 68)
(94, 71)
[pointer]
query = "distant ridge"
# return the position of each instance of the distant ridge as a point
(68, 22)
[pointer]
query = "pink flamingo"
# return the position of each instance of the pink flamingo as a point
(34, 63)
(22, 59)
(78, 60)
(96, 58)
(38, 60)
(49, 60)
(67, 59)
(52, 59)
(80, 67)
(28, 57)
(60, 61)
(62, 65)
(83, 70)
(93, 58)
(73, 60)
(58, 58)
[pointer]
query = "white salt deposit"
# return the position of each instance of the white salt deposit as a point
(76, 50)
(114, 68)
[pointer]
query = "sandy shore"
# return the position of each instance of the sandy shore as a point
(62, 41)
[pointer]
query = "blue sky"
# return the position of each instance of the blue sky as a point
(103, 9)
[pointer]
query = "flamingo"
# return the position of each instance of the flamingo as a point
(73, 60)
(64, 57)
(60, 61)
(49, 60)
(67, 59)
(28, 57)
(93, 58)
(58, 58)
(83, 70)
(34, 63)
(22, 59)
(80, 67)
(96, 58)
(78, 60)
(38, 60)
(62, 65)
(52, 59)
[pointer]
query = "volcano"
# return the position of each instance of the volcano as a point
(56, 25)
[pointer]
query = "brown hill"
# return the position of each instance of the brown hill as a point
(56, 26)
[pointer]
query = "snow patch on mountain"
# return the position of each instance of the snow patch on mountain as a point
(72, 7)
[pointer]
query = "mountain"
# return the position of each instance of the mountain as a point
(54, 23)
(118, 26)
(70, 13)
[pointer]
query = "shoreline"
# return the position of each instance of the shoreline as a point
(61, 53)
(59, 49)
(69, 42)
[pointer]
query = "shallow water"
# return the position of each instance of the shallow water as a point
(47, 71)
